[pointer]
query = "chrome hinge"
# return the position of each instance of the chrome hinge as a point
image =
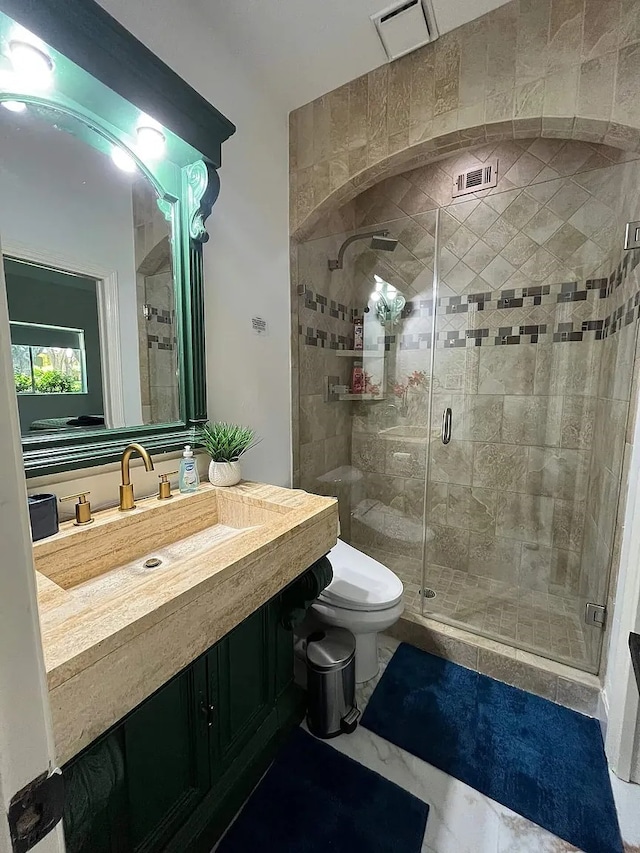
(632, 235)
(35, 810)
(595, 614)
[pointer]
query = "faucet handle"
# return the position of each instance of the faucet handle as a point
(83, 508)
(164, 486)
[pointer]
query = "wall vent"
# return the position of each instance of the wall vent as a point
(473, 180)
(406, 26)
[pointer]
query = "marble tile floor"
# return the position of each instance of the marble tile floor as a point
(462, 820)
(548, 625)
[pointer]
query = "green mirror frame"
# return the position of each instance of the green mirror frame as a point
(108, 80)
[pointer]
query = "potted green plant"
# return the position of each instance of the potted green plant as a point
(226, 444)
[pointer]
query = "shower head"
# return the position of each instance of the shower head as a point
(379, 240)
(383, 243)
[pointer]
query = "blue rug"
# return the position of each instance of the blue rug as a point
(313, 799)
(539, 759)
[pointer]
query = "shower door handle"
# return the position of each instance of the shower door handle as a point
(446, 426)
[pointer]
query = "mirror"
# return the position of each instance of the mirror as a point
(108, 172)
(89, 275)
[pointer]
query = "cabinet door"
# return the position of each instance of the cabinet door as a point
(95, 810)
(241, 685)
(167, 760)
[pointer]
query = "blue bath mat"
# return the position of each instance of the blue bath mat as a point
(539, 759)
(313, 799)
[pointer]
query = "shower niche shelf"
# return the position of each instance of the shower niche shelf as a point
(359, 353)
(361, 396)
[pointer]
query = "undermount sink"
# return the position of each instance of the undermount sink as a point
(121, 548)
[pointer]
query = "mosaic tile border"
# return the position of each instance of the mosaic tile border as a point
(591, 291)
(160, 343)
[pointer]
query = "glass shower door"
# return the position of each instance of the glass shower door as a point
(515, 544)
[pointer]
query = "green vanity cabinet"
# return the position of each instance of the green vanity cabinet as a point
(171, 775)
(166, 758)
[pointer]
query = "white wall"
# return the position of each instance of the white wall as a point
(61, 197)
(247, 256)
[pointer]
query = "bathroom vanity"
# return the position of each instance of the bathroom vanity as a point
(171, 682)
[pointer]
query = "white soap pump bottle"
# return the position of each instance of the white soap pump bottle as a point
(188, 478)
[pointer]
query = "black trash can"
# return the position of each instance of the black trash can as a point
(331, 682)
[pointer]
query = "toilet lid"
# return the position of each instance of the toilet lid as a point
(360, 582)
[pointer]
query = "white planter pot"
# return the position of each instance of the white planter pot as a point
(224, 473)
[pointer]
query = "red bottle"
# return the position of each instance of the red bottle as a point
(357, 379)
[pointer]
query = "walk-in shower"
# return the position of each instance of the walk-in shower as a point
(515, 342)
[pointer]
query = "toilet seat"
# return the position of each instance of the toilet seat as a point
(360, 583)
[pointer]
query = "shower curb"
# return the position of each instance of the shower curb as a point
(562, 684)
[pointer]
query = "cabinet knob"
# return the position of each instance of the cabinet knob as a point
(208, 712)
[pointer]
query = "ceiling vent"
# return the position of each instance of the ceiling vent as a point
(404, 27)
(474, 180)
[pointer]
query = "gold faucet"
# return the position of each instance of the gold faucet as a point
(126, 489)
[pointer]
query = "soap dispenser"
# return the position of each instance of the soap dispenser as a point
(188, 478)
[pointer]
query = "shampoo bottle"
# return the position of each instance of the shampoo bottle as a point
(188, 478)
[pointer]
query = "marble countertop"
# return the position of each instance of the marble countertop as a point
(113, 631)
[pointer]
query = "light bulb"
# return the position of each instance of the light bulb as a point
(123, 160)
(31, 63)
(14, 106)
(375, 296)
(151, 142)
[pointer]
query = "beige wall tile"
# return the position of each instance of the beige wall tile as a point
(557, 472)
(502, 38)
(499, 466)
(451, 463)
(448, 547)
(532, 420)
(601, 28)
(471, 509)
(626, 109)
(473, 63)
(565, 34)
(526, 518)
(358, 106)
(595, 86)
(507, 370)
(561, 95)
(629, 23)
(568, 524)
(493, 557)
(532, 47)
(528, 99)
(577, 422)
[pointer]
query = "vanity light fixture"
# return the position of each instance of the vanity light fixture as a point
(14, 106)
(123, 160)
(151, 141)
(30, 63)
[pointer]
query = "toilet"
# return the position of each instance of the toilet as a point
(365, 597)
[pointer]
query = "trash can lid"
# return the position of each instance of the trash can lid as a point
(330, 648)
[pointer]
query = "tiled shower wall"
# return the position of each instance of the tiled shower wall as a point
(156, 308)
(524, 331)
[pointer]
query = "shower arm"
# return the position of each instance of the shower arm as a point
(336, 263)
